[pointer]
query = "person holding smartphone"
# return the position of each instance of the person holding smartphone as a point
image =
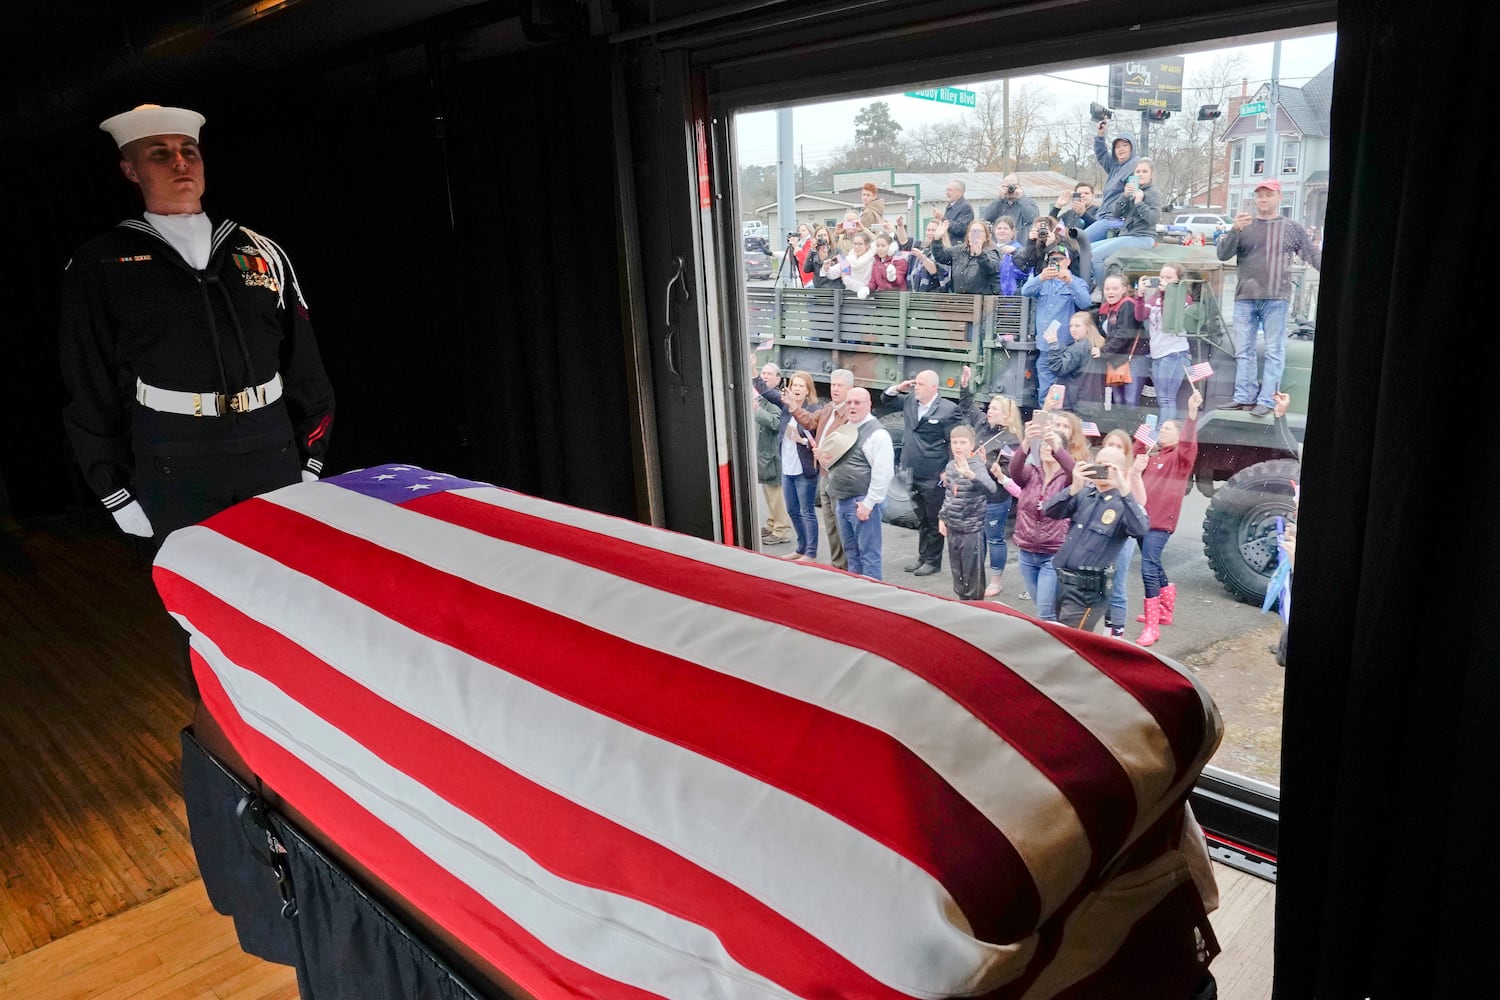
(1060, 448)
(1059, 294)
(1101, 514)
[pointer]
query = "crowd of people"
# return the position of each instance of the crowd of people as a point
(1082, 513)
(1063, 260)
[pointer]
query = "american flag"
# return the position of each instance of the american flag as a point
(1090, 429)
(1200, 371)
(1146, 436)
(616, 761)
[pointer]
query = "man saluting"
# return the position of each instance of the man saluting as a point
(193, 377)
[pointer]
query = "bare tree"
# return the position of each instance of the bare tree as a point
(940, 146)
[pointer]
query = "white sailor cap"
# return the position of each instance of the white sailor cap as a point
(151, 119)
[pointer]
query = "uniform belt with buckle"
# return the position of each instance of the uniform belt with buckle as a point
(208, 404)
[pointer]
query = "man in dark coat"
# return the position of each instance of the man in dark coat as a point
(958, 213)
(928, 417)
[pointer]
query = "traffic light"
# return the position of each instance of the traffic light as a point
(1208, 112)
(1158, 114)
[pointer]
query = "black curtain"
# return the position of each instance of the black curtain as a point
(454, 229)
(1392, 703)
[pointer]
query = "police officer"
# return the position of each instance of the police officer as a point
(1104, 514)
(193, 377)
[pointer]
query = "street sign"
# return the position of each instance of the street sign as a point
(945, 95)
(1253, 108)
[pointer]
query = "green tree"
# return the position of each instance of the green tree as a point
(874, 128)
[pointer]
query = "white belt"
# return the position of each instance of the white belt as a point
(208, 404)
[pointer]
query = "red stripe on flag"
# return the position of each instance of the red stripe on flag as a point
(1059, 746)
(413, 875)
(844, 767)
(567, 839)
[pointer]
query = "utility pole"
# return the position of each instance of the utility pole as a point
(786, 199)
(1273, 113)
(1005, 126)
(1145, 135)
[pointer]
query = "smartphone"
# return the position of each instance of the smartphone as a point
(1097, 471)
(1151, 421)
(848, 225)
(1055, 394)
(1050, 334)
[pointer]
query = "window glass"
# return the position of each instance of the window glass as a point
(905, 167)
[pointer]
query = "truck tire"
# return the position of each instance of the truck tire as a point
(1239, 530)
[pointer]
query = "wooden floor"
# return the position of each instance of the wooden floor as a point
(101, 892)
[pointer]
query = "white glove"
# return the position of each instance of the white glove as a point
(890, 272)
(309, 477)
(132, 520)
(864, 292)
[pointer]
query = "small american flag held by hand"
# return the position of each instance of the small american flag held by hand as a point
(1090, 429)
(1200, 371)
(1146, 435)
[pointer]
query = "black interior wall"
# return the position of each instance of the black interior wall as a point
(483, 340)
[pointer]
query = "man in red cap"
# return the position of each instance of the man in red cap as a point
(1263, 246)
(192, 374)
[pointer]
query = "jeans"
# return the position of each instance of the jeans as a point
(1129, 394)
(1041, 581)
(1118, 596)
(995, 516)
(861, 538)
(1105, 249)
(801, 506)
(1263, 314)
(1100, 227)
(1153, 575)
(1168, 374)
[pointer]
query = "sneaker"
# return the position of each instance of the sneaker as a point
(1024, 595)
(1115, 631)
(773, 540)
(993, 590)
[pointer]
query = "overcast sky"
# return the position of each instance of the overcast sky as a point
(820, 129)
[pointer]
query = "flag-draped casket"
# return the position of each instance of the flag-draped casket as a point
(614, 761)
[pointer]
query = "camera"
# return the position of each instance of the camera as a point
(1010, 189)
(1099, 112)
(822, 241)
(791, 236)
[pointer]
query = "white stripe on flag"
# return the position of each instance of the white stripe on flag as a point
(1114, 715)
(612, 934)
(872, 905)
(1005, 786)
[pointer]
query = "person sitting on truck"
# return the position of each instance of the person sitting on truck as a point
(846, 231)
(1076, 365)
(1046, 233)
(958, 213)
(822, 251)
(872, 216)
(1169, 465)
(1076, 210)
(924, 274)
(888, 271)
(1006, 242)
(1012, 202)
(1059, 293)
(1167, 303)
(976, 264)
(1122, 319)
(855, 266)
(1139, 207)
(1118, 161)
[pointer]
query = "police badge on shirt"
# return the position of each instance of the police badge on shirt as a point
(254, 268)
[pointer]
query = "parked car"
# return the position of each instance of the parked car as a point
(1192, 225)
(755, 229)
(757, 265)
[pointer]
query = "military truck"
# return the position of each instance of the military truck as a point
(1248, 466)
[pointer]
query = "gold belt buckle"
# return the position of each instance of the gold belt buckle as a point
(240, 401)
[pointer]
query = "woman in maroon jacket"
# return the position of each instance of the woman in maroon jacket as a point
(1168, 467)
(1038, 538)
